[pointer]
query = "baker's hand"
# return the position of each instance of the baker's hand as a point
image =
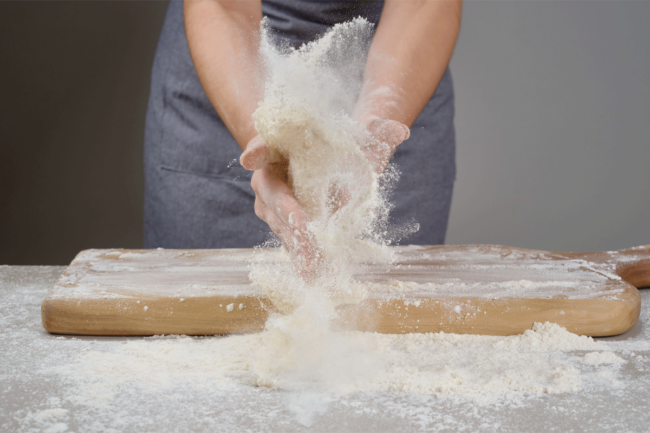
(378, 141)
(276, 205)
(385, 136)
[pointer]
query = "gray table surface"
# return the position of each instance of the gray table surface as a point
(33, 397)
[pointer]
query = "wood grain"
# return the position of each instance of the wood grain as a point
(460, 289)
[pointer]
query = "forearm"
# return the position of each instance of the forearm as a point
(223, 38)
(408, 56)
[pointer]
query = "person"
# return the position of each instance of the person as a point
(205, 87)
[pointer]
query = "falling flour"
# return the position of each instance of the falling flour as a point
(306, 119)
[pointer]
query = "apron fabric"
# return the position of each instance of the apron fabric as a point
(197, 195)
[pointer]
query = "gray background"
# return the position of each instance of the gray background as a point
(553, 123)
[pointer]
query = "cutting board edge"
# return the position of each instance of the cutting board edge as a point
(162, 316)
(507, 316)
(62, 316)
(50, 305)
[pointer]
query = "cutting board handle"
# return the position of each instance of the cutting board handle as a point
(635, 266)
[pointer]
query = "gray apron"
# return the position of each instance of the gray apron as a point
(197, 195)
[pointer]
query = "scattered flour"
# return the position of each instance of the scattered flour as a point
(428, 382)
(596, 358)
(479, 370)
(482, 369)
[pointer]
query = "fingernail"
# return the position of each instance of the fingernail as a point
(407, 132)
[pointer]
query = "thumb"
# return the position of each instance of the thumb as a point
(390, 132)
(256, 155)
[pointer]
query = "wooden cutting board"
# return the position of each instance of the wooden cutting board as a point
(477, 289)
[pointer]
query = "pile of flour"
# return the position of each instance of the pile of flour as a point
(483, 369)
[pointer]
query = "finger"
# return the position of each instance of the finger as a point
(391, 132)
(256, 155)
(279, 198)
(301, 250)
(387, 135)
(282, 230)
(276, 205)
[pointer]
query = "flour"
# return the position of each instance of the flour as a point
(596, 358)
(482, 369)
(306, 120)
(430, 382)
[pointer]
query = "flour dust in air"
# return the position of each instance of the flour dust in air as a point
(306, 119)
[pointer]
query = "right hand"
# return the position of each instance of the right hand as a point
(276, 205)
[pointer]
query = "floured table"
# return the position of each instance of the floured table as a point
(43, 389)
(478, 289)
